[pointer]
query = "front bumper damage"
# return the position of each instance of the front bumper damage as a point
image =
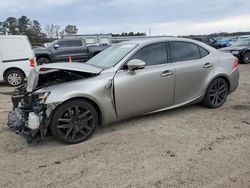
(29, 117)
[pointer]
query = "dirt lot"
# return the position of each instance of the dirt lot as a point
(187, 147)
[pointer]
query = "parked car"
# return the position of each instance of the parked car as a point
(240, 49)
(208, 41)
(223, 42)
(128, 79)
(61, 50)
(16, 59)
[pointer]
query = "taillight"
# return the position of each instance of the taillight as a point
(236, 63)
(32, 62)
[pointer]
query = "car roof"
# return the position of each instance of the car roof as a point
(146, 41)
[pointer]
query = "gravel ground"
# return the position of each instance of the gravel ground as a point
(186, 147)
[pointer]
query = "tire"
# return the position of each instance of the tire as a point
(43, 60)
(70, 127)
(14, 78)
(216, 94)
(246, 57)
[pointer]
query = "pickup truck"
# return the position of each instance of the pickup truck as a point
(65, 49)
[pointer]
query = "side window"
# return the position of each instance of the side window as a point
(63, 44)
(184, 51)
(203, 52)
(154, 54)
(75, 43)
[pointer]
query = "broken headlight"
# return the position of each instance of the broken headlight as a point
(42, 97)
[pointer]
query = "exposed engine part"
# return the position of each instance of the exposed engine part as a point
(29, 118)
(60, 76)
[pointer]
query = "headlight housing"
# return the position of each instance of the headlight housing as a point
(42, 97)
(235, 52)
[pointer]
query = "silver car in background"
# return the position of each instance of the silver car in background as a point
(128, 79)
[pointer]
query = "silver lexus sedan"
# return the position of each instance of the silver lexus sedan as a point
(128, 79)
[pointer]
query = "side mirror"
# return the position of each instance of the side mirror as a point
(56, 46)
(135, 64)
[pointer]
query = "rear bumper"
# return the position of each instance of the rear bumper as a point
(235, 76)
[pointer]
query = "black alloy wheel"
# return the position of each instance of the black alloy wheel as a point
(74, 121)
(43, 60)
(216, 93)
(246, 57)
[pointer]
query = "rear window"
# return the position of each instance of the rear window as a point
(75, 43)
(184, 51)
(203, 52)
(70, 43)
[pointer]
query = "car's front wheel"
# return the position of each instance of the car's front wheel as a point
(216, 93)
(74, 121)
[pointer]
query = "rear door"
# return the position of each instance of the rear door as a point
(194, 68)
(147, 89)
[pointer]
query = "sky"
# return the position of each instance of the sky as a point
(164, 17)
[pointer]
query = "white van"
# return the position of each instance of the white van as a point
(16, 58)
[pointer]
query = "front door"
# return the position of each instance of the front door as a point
(148, 89)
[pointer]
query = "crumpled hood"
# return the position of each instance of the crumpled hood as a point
(43, 69)
(81, 67)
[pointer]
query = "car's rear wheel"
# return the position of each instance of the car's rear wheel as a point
(43, 60)
(216, 93)
(74, 121)
(246, 57)
(14, 78)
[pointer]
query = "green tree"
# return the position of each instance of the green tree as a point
(36, 26)
(23, 23)
(71, 29)
(12, 25)
(1, 28)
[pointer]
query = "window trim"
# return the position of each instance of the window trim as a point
(200, 47)
(121, 68)
(184, 42)
(70, 46)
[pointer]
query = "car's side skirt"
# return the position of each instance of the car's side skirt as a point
(192, 101)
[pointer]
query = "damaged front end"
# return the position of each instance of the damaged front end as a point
(31, 115)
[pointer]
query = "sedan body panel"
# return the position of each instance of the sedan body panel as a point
(97, 85)
(191, 78)
(157, 90)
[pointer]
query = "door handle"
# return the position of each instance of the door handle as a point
(208, 65)
(167, 73)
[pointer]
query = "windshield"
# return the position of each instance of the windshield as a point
(111, 56)
(242, 42)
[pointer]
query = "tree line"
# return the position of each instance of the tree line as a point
(33, 29)
(220, 34)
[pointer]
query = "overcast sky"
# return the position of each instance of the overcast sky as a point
(175, 17)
